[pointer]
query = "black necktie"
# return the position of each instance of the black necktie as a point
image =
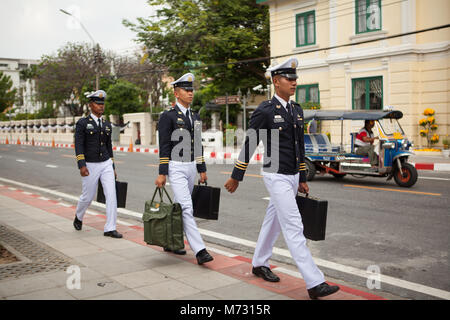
(288, 108)
(188, 115)
(99, 123)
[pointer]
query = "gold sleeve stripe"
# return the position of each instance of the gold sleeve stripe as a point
(80, 157)
(243, 163)
(302, 169)
(164, 158)
(240, 167)
(164, 162)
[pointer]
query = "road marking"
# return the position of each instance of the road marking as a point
(64, 204)
(68, 156)
(389, 189)
(41, 152)
(51, 166)
(225, 253)
(247, 174)
(124, 223)
(44, 198)
(266, 198)
(433, 178)
(152, 165)
(21, 160)
(283, 252)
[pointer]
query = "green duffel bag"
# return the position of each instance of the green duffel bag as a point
(163, 223)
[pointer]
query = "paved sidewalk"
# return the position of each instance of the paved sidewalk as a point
(39, 232)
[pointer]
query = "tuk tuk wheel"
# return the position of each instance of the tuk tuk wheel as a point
(407, 177)
(338, 176)
(310, 170)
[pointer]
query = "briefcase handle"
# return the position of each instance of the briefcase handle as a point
(306, 194)
(160, 195)
(205, 183)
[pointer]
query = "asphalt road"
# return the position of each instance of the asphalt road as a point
(403, 231)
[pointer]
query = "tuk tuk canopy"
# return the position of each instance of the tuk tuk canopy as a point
(351, 114)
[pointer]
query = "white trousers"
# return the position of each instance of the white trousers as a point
(105, 172)
(283, 215)
(182, 179)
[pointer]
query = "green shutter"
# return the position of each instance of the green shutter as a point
(309, 31)
(370, 91)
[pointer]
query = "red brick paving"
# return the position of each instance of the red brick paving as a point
(237, 267)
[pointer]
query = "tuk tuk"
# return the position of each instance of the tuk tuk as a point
(393, 146)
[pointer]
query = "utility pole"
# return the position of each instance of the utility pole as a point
(227, 117)
(95, 46)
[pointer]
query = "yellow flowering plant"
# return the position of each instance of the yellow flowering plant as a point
(429, 125)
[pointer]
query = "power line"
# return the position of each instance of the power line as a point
(261, 59)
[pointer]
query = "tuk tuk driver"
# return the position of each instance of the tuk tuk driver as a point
(364, 142)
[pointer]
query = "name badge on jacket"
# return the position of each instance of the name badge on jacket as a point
(89, 126)
(278, 118)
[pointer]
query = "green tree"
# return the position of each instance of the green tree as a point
(124, 97)
(7, 95)
(204, 32)
(67, 71)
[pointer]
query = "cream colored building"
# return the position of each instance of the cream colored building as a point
(410, 73)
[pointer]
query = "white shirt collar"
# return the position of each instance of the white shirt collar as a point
(282, 101)
(182, 108)
(95, 118)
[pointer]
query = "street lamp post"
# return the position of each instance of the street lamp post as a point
(96, 46)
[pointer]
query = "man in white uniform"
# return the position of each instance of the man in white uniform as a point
(181, 156)
(284, 174)
(93, 149)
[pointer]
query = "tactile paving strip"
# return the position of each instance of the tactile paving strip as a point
(43, 258)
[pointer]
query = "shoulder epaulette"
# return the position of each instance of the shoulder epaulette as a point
(266, 103)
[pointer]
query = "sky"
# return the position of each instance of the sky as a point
(32, 28)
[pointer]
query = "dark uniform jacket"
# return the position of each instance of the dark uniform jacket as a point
(170, 121)
(92, 144)
(290, 148)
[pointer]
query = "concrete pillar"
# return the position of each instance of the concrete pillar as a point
(215, 117)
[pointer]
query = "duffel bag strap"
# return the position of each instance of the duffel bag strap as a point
(161, 195)
(154, 194)
(164, 189)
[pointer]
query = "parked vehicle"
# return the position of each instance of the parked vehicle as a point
(394, 148)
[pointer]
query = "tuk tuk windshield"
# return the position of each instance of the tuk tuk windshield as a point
(390, 126)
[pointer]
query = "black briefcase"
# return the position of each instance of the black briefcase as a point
(205, 201)
(121, 193)
(314, 216)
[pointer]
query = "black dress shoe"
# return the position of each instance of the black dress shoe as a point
(265, 273)
(78, 224)
(322, 290)
(112, 234)
(203, 256)
(180, 252)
